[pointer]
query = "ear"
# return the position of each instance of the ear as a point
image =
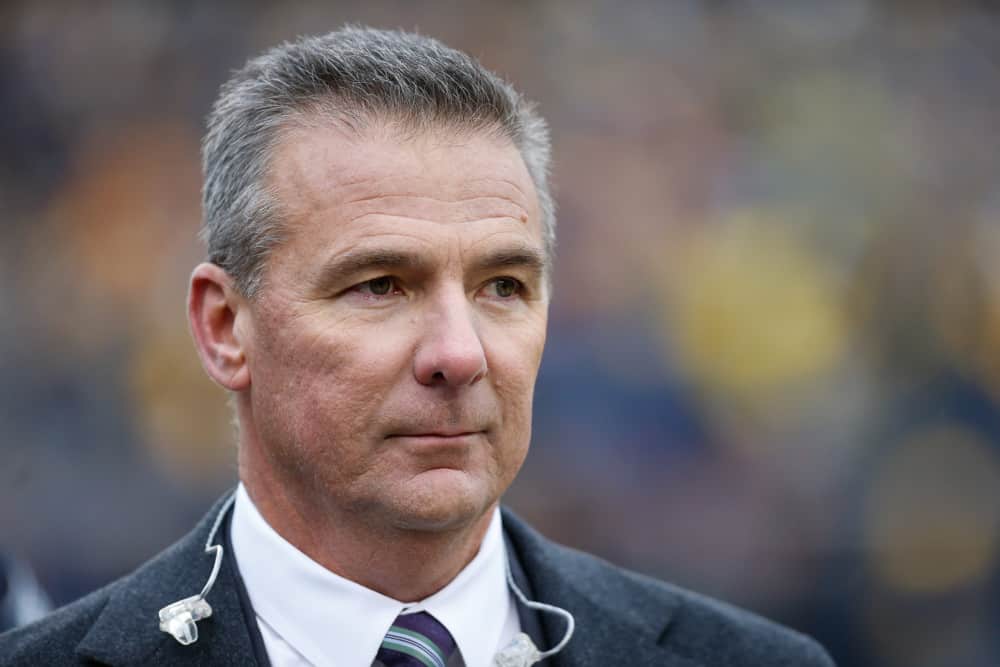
(213, 306)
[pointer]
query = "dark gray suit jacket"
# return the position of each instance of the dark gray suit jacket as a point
(622, 618)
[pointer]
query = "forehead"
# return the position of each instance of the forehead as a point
(322, 171)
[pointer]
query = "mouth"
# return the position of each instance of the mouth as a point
(436, 437)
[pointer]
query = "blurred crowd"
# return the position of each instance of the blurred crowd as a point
(773, 367)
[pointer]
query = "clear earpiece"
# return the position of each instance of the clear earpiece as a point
(522, 652)
(179, 619)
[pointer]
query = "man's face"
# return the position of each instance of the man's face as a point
(394, 347)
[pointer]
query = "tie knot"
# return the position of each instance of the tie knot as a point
(416, 640)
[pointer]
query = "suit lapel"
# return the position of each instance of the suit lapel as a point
(619, 619)
(127, 631)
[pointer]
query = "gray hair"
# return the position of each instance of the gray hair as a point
(357, 74)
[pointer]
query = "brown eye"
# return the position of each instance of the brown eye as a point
(505, 287)
(380, 286)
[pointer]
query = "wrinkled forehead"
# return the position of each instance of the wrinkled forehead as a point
(322, 167)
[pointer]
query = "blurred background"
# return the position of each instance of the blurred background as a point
(773, 370)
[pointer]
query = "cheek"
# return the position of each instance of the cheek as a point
(514, 392)
(514, 366)
(321, 382)
(514, 349)
(316, 346)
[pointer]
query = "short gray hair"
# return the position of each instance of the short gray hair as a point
(359, 74)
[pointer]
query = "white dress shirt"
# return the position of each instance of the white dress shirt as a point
(310, 616)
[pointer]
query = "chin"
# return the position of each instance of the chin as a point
(442, 500)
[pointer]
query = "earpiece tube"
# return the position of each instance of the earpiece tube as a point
(180, 619)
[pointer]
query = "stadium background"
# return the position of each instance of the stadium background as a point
(773, 370)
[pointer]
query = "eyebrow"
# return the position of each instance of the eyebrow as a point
(360, 261)
(524, 257)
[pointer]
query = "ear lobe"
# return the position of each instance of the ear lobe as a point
(213, 305)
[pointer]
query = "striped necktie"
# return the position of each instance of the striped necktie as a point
(417, 640)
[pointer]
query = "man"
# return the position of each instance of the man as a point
(380, 242)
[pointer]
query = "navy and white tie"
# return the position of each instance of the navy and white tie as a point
(417, 640)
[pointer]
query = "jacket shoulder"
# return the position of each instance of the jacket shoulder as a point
(52, 640)
(711, 631)
(695, 629)
(702, 629)
(117, 620)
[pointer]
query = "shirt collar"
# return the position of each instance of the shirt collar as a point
(321, 614)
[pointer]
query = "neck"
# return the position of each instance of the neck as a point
(404, 564)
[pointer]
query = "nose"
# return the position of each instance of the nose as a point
(450, 351)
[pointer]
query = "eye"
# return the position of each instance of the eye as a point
(505, 287)
(381, 286)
